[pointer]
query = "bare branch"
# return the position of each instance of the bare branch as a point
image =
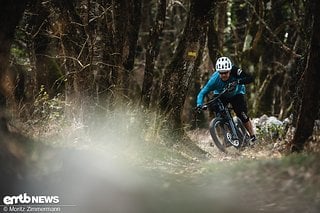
(36, 33)
(274, 36)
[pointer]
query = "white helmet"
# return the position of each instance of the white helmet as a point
(223, 64)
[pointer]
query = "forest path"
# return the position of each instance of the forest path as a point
(261, 150)
(124, 174)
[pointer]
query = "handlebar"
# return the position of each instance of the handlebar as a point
(205, 106)
(226, 89)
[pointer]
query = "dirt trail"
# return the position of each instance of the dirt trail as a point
(262, 149)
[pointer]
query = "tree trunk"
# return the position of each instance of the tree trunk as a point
(311, 87)
(74, 55)
(120, 44)
(121, 14)
(214, 36)
(153, 47)
(11, 11)
(135, 19)
(221, 24)
(133, 33)
(178, 75)
(46, 72)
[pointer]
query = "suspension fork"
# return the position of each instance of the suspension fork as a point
(232, 126)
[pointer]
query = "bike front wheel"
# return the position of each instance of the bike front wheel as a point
(221, 134)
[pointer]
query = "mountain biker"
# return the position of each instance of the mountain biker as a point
(228, 75)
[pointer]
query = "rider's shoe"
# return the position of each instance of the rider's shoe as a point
(253, 139)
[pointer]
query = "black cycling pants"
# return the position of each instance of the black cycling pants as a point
(239, 106)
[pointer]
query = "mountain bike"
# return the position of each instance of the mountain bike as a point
(226, 130)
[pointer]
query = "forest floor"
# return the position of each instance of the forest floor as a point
(260, 150)
(153, 177)
(113, 169)
(262, 178)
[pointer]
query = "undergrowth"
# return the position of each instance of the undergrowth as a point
(283, 184)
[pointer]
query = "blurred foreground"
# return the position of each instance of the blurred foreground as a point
(111, 168)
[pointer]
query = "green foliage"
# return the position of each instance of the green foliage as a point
(271, 132)
(19, 55)
(48, 113)
(46, 108)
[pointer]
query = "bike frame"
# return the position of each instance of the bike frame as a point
(227, 117)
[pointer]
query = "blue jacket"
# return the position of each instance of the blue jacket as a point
(216, 85)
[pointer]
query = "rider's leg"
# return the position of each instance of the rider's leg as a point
(240, 108)
(249, 127)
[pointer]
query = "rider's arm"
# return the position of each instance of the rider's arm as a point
(243, 77)
(206, 89)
